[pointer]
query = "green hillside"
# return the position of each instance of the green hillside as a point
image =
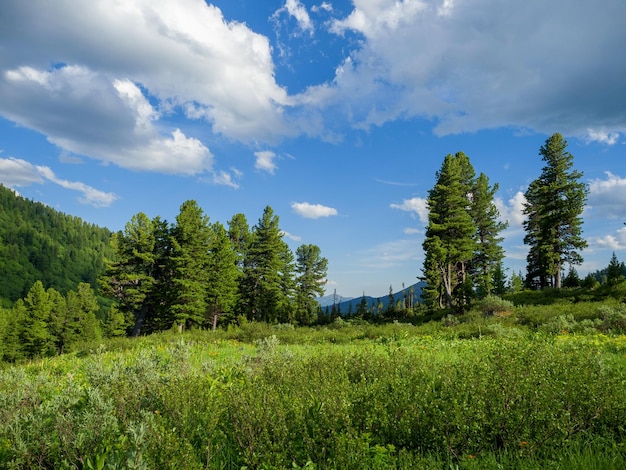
(40, 243)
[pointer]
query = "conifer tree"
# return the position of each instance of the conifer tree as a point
(498, 279)
(572, 279)
(35, 336)
(286, 308)
(130, 277)
(58, 323)
(84, 304)
(192, 240)
(311, 268)
(240, 237)
(4, 332)
(262, 284)
(554, 204)
(223, 277)
(488, 252)
(450, 244)
(614, 270)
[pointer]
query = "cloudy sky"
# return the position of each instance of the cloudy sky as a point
(335, 113)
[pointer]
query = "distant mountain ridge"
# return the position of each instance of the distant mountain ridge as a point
(346, 304)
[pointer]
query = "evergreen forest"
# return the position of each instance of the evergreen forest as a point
(38, 243)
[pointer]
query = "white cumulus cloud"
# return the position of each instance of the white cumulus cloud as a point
(186, 57)
(297, 10)
(607, 197)
(313, 211)
(265, 161)
(512, 210)
(604, 137)
(482, 64)
(417, 205)
(17, 172)
(614, 242)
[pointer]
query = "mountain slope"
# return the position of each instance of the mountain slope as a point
(346, 305)
(40, 243)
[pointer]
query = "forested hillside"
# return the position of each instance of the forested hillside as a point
(38, 243)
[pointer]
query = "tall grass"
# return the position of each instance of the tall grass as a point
(346, 396)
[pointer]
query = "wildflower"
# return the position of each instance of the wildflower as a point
(523, 444)
(471, 456)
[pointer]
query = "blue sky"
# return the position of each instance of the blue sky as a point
(336, 114)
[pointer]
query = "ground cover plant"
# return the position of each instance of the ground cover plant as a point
(343, 396)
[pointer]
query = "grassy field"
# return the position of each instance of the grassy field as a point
(472, 392)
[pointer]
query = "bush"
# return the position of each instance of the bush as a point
(494, 305)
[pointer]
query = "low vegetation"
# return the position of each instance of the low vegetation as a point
(495, 388)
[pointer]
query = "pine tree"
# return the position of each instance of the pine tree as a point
(554, 203)
(192, 240)
(240, 237)
(311, 268)
(498, 280)
(223, 277)
(130, 277)
(58, 322)
(35, 336)
(450, 244)
(516, 284)
(614, 270)
(488, 252)
(263, 284)
(286, 308)
(572, 279)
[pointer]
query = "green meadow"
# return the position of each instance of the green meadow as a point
(476, 392)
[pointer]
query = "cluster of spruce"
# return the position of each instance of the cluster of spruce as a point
(194, 273)
(47, 323)
(462, 251)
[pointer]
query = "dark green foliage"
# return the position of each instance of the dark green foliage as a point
(263, 288)
(489, 253)
(34, 317)
(449, 245)
(240, 237)
(462, 246)
(130, 277)
(46, 323)
(614, 270)
(572, 279)
(498, 280)
(554, 203)
(192, 240)
(39, 243)
(311, 268)
(223, 278)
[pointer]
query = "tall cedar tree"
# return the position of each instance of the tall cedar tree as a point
(450, 244)
(262, 282)
(223, 277)
(35, 336)
(286, 301)
(311, 268)
(240, 237)
(554, 203)
(130, 277)
(488, 252)
(192, 240)
(614, 270)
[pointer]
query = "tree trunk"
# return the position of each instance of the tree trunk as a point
(140, 319)
(557, 276)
